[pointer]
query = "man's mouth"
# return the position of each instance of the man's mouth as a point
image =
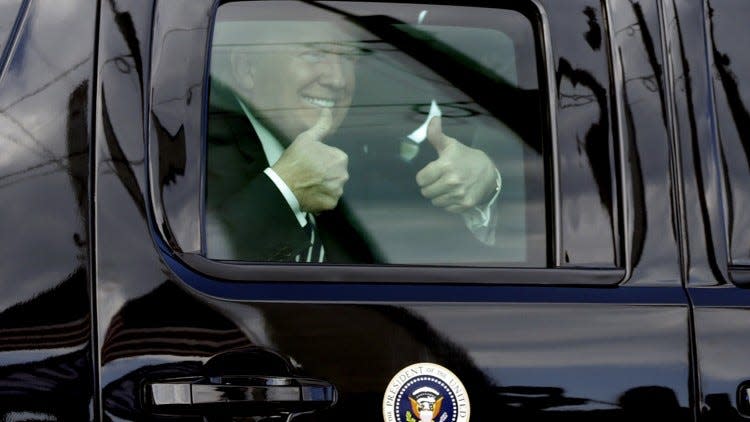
(319, 102)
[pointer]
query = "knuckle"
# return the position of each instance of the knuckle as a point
(339, 156)
(453, 180)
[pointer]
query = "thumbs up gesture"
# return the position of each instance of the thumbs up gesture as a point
(315, 172)
(460, 178)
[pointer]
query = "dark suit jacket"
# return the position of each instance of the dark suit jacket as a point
(257, 220)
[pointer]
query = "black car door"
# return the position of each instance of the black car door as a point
(715, 169)
(590, 322)
(47, 71)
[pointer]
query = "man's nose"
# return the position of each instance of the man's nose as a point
(334, 72)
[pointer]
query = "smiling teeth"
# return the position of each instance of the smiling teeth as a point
(320, 102)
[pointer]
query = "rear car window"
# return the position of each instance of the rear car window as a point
(730, 80)
(377, 133)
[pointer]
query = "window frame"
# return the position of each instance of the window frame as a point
(190, 259)
(8, 44)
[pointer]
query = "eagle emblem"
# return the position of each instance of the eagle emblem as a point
(425, 404)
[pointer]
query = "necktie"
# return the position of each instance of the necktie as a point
(314, 251)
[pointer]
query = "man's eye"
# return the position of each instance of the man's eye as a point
(312, 56)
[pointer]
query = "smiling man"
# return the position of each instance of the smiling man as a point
(299, 92)
(279, 89)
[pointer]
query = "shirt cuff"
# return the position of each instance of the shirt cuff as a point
(288, 195)
(480, 215)
(479, 220)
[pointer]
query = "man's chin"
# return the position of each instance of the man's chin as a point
(284, 130)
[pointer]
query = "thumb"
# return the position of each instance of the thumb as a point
(321, 128)
(435, 135)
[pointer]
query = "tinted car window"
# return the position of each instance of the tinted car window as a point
(729, 36)
(374, 133)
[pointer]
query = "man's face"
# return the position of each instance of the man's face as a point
(292, 82)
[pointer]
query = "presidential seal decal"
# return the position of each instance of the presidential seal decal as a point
(425, 392)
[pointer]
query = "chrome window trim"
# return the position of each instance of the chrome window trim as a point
(618, 82)
(555, 201)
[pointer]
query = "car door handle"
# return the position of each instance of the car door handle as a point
(241, 394)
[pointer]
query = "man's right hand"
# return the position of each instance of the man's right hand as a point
(315, 172)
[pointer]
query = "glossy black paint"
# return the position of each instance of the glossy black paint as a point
(503, 343)
(720, 169)
(653, 250)
(585, 136)
(643, 90)
(45, 297)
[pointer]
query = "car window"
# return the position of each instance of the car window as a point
(376, 133)
(728, 38)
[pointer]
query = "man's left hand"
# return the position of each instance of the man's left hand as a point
(460, 178)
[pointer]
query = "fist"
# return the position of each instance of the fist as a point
(315, 172)
(461, 177)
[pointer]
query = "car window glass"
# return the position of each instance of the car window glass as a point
(375, 133)
(728, 40)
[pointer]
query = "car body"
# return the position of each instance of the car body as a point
(639, 310)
